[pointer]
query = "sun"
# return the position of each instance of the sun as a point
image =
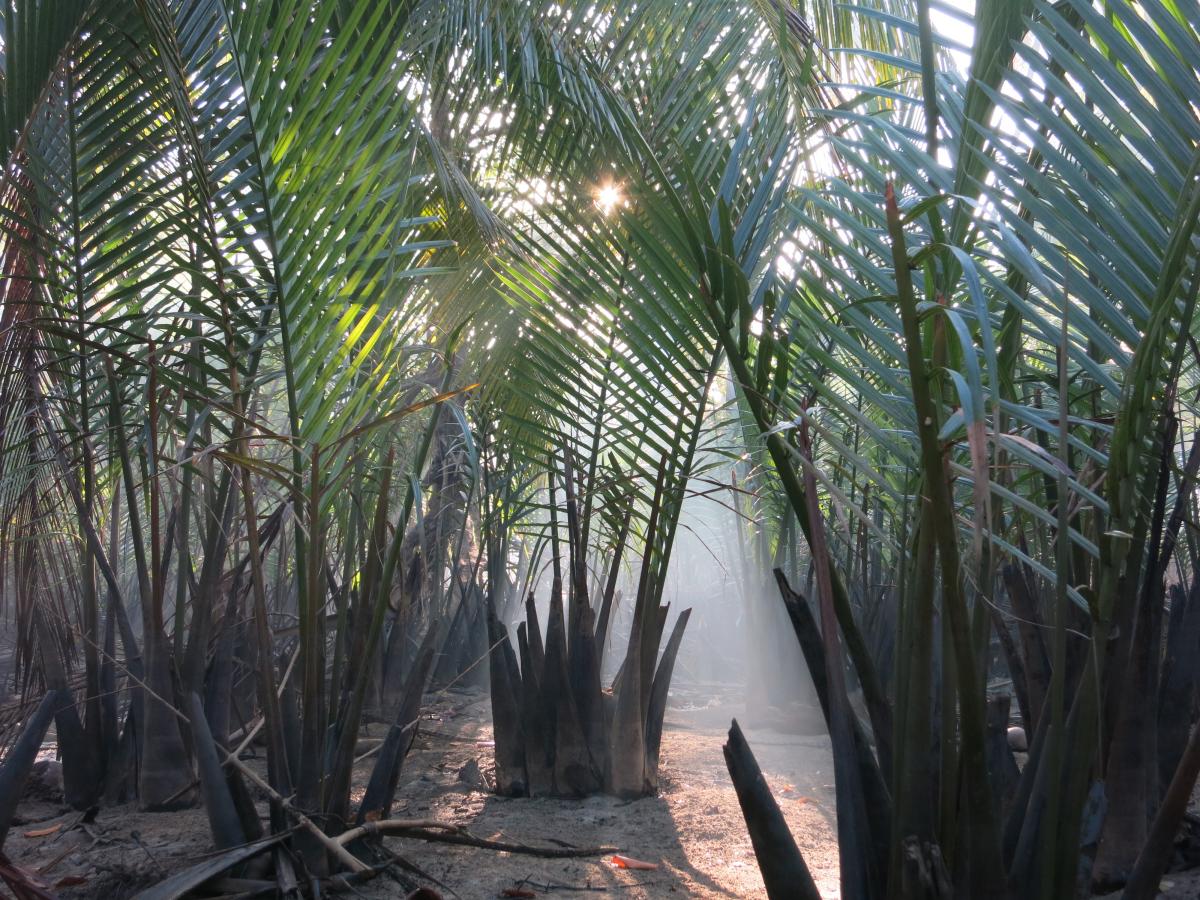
(608, 197)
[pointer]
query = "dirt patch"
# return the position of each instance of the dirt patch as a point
(693, 830)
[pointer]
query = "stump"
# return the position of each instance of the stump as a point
(558, 731)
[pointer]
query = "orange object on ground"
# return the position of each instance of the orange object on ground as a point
(628, 862)
(43, 832)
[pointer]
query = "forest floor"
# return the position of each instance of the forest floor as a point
(693, 830)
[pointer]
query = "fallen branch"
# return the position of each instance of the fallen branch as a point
(348, 859)
(444, 833)
(520, 889)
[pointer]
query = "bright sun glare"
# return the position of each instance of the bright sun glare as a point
(608, 197)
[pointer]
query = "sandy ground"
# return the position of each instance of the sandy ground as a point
(693, 830)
